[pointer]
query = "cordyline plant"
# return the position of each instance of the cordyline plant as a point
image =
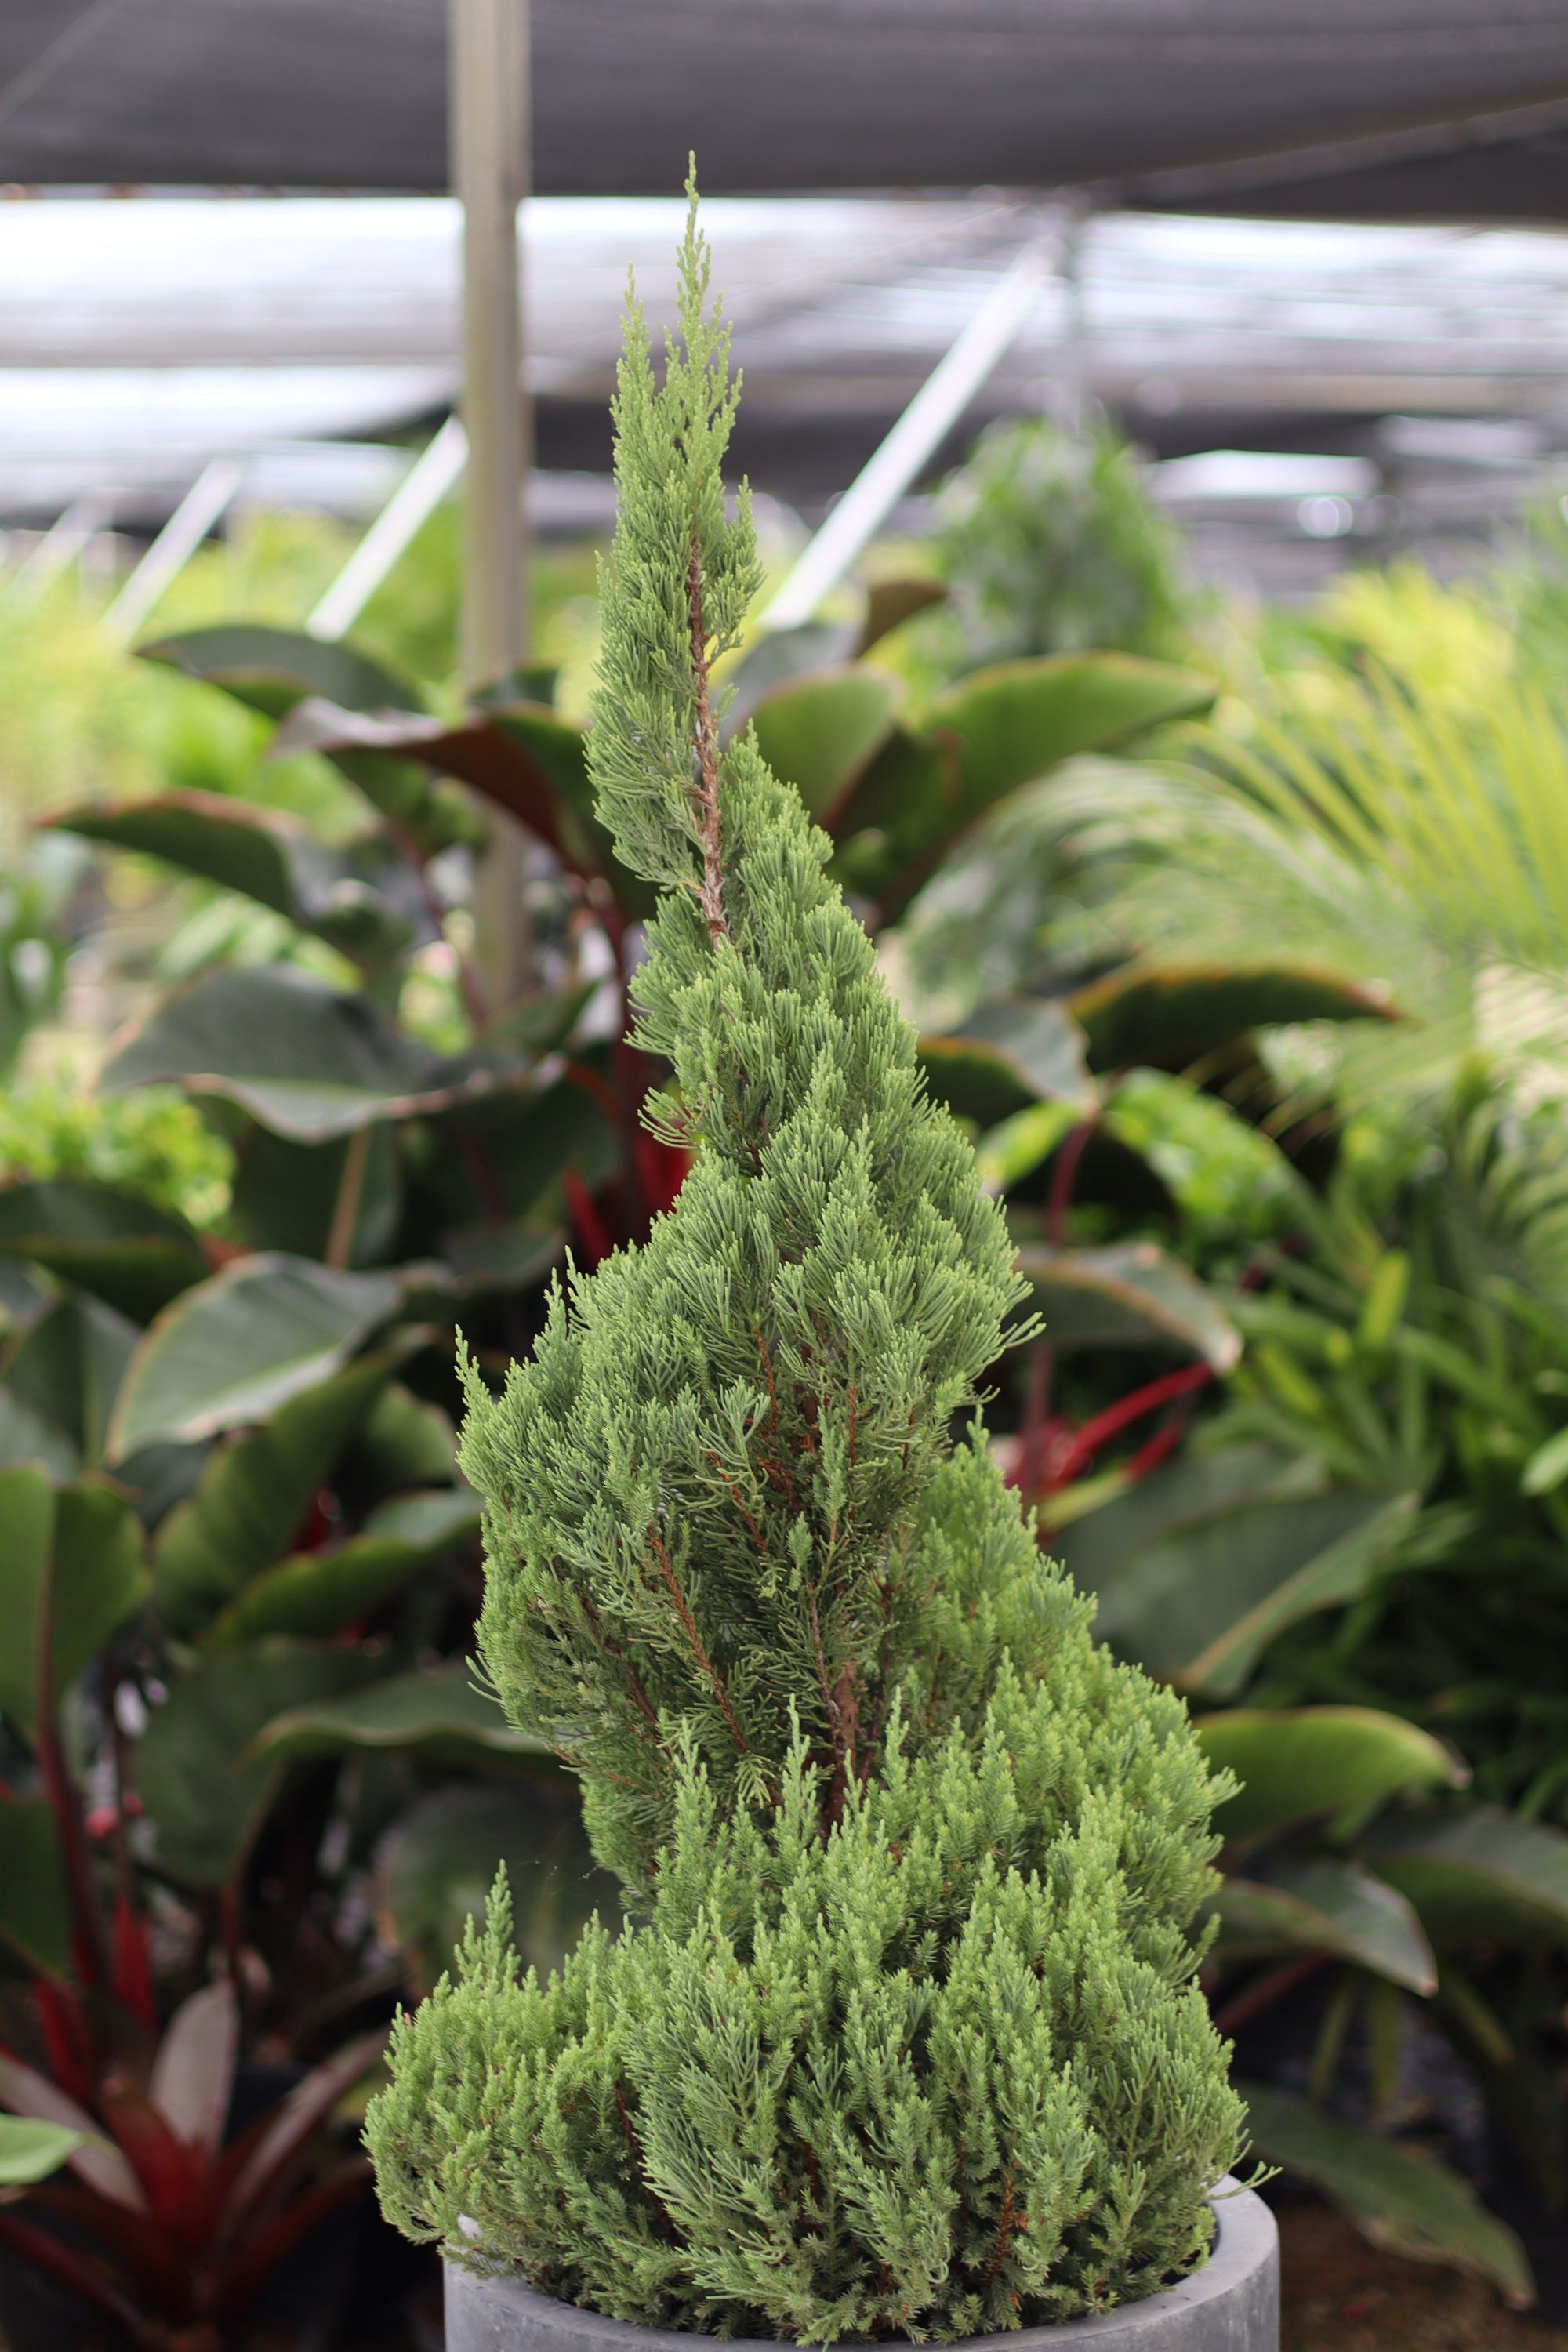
(905, 2039)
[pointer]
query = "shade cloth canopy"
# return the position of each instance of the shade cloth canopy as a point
(1425, 109)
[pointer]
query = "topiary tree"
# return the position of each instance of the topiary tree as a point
(904, 2038)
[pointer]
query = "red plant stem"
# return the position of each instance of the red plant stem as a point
(1064, 1176)
(594, 1232)
(1264, 1991)
(1153, 1450)
(66, 1804)
(1075, 1457)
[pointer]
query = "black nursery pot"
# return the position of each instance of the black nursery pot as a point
(1232, 2305)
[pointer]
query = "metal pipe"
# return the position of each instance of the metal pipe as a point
(204, 503)
(489, 144)
(61, 543)
(934, 409)
(433, 473)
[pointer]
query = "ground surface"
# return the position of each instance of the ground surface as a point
(1341, 2295)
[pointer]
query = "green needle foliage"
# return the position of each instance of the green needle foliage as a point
(905, 2039)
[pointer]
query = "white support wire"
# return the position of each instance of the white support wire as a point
(61, 544)
(432, 475)
(934, 409)
(204, 503)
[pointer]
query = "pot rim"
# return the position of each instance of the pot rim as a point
(1246, 2240)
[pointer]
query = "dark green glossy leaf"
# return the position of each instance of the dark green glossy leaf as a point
(285, 1194)
(272, 669)
(35, 1912)
(772, 660)
(76, 1551)
(204, 1793)
(443, 1713)
(29, 1437)
(317, 1593)
(1299, 1763)
(365, 900)
(818, 732)
(236, 1348)
(1323, 1904)
(1011, 1051)
(997, 730)
(253, 1492)
(1198, 1606)
(121, 1249)
(1479, 1876)
(1127, 1295)
(436, 1868)
(312, 1062)
(1164, 1016)
(890, 602)
(69, 1371)
(1399, 2196)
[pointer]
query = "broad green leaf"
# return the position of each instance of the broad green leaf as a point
(818, 732)
(1127, 1295)
(204, 1792)
(30, 2151)
(404, 1442)
(1016, 1146)
(1166, 1016)
(1184, 1493)
(442, 1712)
(890, 602)
(774, 659)
(1396, 2195)
(76, 1551)
(236, 1348)
(253, 1492)
(1297, 1763)
(118, 1248)
(997, 730)
(309, 1062)
(69, 1367)
(1012, 1052)
(1199, 1607)
(1547, 1466)
(1478, 1877)
(1325, 1906)
(1227, 1178)
(27, 1436)
(436, 1868)
(35, 1912)
(272, 669)
(318, 1593)
(1338, 1572)
(285, 1195)
(475, 750)
(234, 843)
(364, 898)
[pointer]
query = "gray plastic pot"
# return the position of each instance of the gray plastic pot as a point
(1232, 2305)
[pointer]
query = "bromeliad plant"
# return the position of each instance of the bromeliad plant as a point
(906, 2038)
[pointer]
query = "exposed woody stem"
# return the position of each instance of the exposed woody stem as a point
(707, 748)
(694, 1639)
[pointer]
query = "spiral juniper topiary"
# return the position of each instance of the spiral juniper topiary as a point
(904, 2038)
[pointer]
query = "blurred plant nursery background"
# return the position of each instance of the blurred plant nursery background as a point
(1163, 503)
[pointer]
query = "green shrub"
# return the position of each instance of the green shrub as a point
(906, 2041)
(1049, 544)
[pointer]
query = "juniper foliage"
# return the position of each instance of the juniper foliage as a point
(907, 2040)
